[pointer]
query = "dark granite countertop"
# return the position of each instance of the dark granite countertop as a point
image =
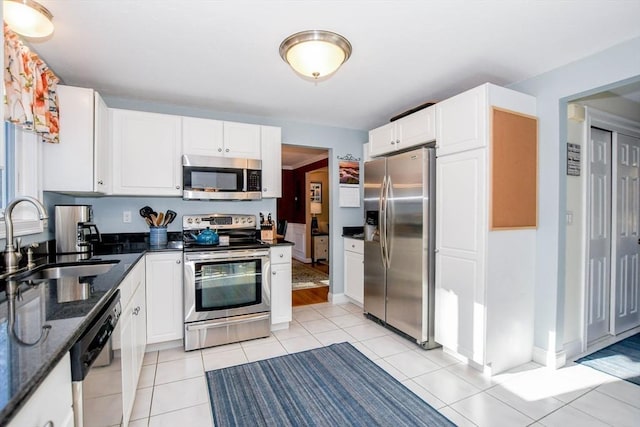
(279, 242)
(23, 368)
(354, 236)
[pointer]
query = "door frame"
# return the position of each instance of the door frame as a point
(614, 124)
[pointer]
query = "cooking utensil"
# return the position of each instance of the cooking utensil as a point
(160, 219)
(145, 211)
(154, 219)
(169, 217)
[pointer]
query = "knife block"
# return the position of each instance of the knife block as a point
(267, 232)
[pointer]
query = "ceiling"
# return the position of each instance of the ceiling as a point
(223, 55)
(294, 157)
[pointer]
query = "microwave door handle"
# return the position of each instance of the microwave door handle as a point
(244, 180)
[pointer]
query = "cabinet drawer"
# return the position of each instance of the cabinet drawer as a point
(354, 245)
(280, 254)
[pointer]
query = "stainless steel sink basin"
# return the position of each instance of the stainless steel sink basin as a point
(77, 270)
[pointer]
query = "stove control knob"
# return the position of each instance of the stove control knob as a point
(249, 220)
(189, 220)
(244, 220)
(197, 220)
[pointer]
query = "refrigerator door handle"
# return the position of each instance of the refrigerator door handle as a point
(381, 220)
(387, 220)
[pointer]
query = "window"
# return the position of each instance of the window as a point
(20, 175)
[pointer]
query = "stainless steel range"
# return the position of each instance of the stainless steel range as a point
(226, 285)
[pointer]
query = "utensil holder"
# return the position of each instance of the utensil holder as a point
(158, 236)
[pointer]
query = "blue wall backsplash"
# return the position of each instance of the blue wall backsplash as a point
(107, 211)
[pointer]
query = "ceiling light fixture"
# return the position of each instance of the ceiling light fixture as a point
(28, 18)
(315, 54)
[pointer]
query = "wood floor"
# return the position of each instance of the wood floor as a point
(312, 295)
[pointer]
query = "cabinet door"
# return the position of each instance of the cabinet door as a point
(127, 357)
(354, 276)
(281, 293)
(146, 153)
(461, 122)
(415, 129)
(68, 166)
(241, 140)
(271, 146)
(102, 153)
(382, 140)
(164, 297)
(202, 137)
(51, 402)
(460, 258)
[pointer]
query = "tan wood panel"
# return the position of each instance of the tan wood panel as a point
(514, 170)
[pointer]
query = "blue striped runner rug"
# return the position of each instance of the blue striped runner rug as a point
(621, 359)
(329, 386)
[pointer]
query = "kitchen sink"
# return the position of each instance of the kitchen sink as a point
(57, 271)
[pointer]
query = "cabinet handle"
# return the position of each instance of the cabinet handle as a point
(273, 272)
(397, 141)
(48, 424)
(353, 246)
(393, 142)
(227, 150)
(177, 187)
(178, 261)
(100, 182)
(264, 189)
(219, 150)
(281, 255)
(136, 311)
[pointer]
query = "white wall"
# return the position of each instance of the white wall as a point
(553, 89)
(574, 298)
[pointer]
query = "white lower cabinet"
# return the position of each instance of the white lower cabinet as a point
(164, 297)
(51, 404)
(131, 335)
(280, 257)
(354, 270)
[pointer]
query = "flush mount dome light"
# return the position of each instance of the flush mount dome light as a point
(28, 17)
(315, 54)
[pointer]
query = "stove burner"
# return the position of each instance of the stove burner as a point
(239, 230)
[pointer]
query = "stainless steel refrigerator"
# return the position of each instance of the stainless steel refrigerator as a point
(399, 259)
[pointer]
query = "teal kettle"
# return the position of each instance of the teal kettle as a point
(206, 237)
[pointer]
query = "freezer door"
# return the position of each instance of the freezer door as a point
(374, 271)
(406, 274)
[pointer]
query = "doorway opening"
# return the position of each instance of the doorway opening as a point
(602, 275)
(304, 205)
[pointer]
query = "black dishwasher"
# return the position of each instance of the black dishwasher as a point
(85, 352)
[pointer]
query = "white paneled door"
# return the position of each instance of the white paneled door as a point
(625, 306)
(599, 236)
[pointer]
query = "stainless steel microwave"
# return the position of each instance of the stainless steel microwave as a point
(221, 178)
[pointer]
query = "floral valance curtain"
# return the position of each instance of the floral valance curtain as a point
(30, 89)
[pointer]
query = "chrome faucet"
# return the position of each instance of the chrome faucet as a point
(11, 253)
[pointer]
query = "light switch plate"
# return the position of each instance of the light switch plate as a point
(126, 216)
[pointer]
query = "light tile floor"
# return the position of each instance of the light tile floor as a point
(172, 389)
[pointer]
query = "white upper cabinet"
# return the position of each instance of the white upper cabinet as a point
(206, 137)
(241, 140)
(80, 163)
(410, 131)
(201, 137)
(462, 123)
(147, 150)
(271, 145)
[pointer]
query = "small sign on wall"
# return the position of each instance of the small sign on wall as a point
(573, 159)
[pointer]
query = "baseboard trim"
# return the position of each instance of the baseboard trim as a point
(549, 358)
(338, 298)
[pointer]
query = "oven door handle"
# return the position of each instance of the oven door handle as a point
(196, 326)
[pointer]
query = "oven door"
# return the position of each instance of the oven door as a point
(220, 284)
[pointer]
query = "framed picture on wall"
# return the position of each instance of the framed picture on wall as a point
(316, 192)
